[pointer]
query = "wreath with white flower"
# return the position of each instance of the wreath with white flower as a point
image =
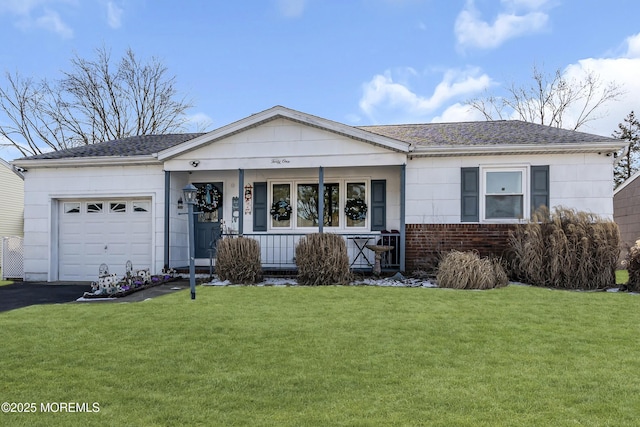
(356, 209)
(208, 198)
(281, 210)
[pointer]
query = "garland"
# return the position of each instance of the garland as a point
(281, 210)
(208, 198)
(356, 209)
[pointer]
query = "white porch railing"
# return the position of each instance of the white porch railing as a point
(12, 258)
(277, 250)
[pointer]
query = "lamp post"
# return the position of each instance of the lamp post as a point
(190, 197)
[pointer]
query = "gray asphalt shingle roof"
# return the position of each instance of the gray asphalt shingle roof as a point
(485, 133)
(133, 146)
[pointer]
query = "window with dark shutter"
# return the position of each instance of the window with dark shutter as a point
(260, 211)
(469, 197)
(539, 187)
(378, 205)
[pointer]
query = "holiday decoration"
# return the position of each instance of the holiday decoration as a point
(356, 209)
(208, 198)
(281, 210)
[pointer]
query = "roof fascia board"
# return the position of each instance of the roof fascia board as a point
(605, 147)
(87, 161)
(282, 112)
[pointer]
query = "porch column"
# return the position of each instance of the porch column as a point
(403, 173)
(167, 212)
(320, 199)
(240, 202)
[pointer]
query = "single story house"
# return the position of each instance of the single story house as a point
(11, 201)
(420, 188)
(626, 211)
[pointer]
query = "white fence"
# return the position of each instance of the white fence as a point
(12, 257)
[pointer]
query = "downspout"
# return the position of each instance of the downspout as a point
(320, 199)
(167, 206)
(403, 200)
(240, 202)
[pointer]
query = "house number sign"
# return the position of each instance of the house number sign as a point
(280, 161)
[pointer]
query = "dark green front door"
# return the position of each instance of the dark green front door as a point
(207, 227)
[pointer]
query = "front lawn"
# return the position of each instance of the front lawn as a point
(322, 356)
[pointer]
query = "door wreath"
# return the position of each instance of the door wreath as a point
(208, 198)
(356, 209)
(281, 210)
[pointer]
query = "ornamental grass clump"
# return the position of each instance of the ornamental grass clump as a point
(467, 270)
(633, 268)
(322, 260)
(565, 249)
(238, 260)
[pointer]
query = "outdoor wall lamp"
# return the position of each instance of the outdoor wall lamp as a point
(180, 203)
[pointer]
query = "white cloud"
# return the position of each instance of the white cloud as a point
(291, 8)
(51, 21)
(30, 14)
(395, 101)
(199, 122)
(622, 71)
(458, 113)
(472, 31)
(633, 46)
(114, 15)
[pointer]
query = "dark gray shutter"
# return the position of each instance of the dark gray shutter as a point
(539, 187)
(470, 195)
(260, 212)
(378, 205)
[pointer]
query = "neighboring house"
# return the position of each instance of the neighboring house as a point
(626, 211)
(11, 202)
(434, 187)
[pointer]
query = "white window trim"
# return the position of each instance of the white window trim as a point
(526, 192)
(342, 197)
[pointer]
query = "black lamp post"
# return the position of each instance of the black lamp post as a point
(190, 198)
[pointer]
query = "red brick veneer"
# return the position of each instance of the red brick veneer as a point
(425, 242)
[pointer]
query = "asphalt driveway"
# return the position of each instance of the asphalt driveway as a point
(19, 295)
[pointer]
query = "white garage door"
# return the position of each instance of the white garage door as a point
(95, 232)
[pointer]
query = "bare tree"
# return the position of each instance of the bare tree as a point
(554, 100)
(93, 102)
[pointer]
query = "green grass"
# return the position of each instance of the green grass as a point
(622, 277)
(5, 282)
(325, 356)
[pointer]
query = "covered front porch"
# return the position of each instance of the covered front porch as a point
(365, 206)
(279, 175)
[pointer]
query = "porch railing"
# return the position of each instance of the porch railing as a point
(277, 250)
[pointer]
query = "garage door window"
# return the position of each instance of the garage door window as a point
(141, 206)
(117, 207)
(72, 208)
(94, 207)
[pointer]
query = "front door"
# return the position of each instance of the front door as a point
(208, 218)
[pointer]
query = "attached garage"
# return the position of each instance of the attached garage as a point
(104, 231)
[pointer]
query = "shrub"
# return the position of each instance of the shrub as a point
(633, 268)
(565, 249)
(238, 260)
(322, 260)
(467, 270)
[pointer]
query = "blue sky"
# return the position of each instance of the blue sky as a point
(357, 62)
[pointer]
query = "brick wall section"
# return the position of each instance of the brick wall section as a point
(425, 242)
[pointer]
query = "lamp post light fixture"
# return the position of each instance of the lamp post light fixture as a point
(190, 197)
